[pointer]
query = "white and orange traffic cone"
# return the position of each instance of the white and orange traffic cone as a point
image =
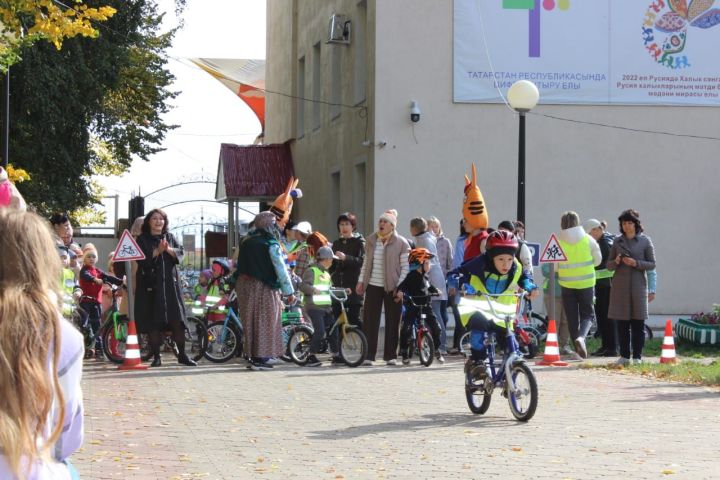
(668, 346)
(132, 350)
(551, 356)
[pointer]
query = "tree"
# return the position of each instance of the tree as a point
(23, 22)
(90, 108)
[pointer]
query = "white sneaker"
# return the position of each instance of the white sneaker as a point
(566, 350)
(391, 363)
(580, 347)
(406, 361)
(636, 361)
(623, 362)
(367, 363)
(273, 361)
(440, 358)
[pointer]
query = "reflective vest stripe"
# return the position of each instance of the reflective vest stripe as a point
(603, 273)
(503, 305)
(321, 282)
(578, 272)
(576, 265)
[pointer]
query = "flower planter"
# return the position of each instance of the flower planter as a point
(698, 333)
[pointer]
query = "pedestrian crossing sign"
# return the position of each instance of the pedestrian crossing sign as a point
(553, 252)
(127, 249)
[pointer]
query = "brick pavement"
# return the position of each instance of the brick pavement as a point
(225, 422)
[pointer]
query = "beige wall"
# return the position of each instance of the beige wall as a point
(336, 146)
(598, 172)
(595, 171)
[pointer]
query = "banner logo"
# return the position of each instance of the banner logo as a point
(533, 7)
(672, 19)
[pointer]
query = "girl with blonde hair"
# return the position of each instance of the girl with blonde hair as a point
(41, 412)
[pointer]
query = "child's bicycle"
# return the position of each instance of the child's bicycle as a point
(113, 331)
(512, 375)
(225, 338)
(420, 340)
(352, 341)
(196, 341)
(292, 322)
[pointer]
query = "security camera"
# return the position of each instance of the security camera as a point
(414, 112)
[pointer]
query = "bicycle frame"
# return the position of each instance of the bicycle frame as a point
(342, 323)
(231, 316)
(511, 353)
(419, 327)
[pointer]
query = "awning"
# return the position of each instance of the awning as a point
(246, 78)
(253, 172)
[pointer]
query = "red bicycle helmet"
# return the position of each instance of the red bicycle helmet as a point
(419, 255)
(501, 239)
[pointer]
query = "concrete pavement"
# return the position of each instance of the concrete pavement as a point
(226, 422)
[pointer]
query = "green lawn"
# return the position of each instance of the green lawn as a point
(685, 370)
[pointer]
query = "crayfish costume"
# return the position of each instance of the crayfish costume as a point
(475, 216)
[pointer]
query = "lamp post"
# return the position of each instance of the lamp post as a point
(523, 96)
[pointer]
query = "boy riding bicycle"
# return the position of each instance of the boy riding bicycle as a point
(495, 272)
(416, 284)
(316, 285)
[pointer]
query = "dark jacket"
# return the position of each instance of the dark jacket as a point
(345, 273)
(605, 242)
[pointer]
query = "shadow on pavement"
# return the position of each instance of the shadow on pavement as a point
(435, 420)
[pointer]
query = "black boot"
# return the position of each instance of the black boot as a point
(183, 359)
(156, 361)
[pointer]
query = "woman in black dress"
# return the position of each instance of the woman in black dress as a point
(158, 304)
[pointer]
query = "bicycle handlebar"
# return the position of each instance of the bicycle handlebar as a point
(340, 294)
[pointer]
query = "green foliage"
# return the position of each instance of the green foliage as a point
(90, 108)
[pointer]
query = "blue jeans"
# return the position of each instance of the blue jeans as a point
(442, 320)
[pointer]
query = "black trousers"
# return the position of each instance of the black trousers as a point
(631, 334)
(606, 326)
(409, 317)
(459, 330)
(156, 337)
(375, 299)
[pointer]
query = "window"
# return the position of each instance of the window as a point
(301, 98)
(358, 43)
(336, 81)
(316, 86)
(334, 209)
(358, 193)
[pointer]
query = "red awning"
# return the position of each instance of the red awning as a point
(253, 172)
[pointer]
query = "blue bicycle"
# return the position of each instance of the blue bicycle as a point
(512, 375)
(225, 337)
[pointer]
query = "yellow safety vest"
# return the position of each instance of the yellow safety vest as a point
(213, 296)
(579, 270)
(603, 273)
(68, 286)
(503, 305)
(321, 282)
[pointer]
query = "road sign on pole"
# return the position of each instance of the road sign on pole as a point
(553, 252)
(127, 249)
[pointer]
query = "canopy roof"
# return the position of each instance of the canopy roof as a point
(253, 172)
(246, 78)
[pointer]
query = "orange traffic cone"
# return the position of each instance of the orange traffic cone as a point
(132, 350)
(668, 346)
(551, 356)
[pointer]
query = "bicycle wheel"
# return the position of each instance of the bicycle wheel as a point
(530, 349)
(540, 324)
(426, 349)
(523, 401)
(477, 396)
(223, 342)
(113, 348)
(353, 347)
(465, 344)
(196, 339)
(299, 344)
(648, 333)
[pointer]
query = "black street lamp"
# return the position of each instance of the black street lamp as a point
(522, 96)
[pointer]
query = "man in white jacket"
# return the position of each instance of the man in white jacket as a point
(577, 278)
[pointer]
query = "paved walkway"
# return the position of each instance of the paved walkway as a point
(226, 422)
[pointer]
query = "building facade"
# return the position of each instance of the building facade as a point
(345, 108)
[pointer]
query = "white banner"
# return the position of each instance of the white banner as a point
(658, 52)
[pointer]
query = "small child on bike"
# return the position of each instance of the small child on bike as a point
(416, 284)
(216, 288)
(91, 282)
(494, 272)
(201, 288)
(316, 285)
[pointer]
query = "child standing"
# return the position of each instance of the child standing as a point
(316, 287)
(91, 282)
(416, 284)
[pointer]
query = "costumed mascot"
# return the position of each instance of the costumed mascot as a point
(475, 216)
(9, 195)
(282, 206)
